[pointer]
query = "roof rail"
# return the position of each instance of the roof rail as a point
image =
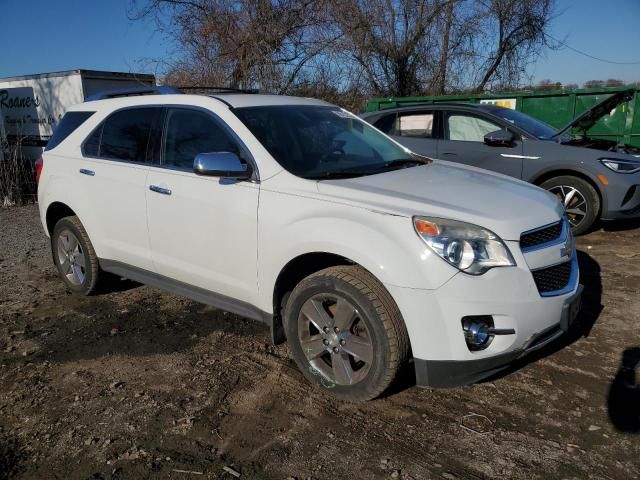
(214, 89)
(128, 92)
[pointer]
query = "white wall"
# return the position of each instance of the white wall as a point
(33, 107)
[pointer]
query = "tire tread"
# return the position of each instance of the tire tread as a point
(90, 253)
(387, 311)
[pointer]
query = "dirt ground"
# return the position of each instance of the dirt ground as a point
(137, 383)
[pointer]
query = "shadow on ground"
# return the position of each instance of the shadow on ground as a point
(10, 457)
(96, 327)
(150, 323)
(620, 225)
(623, 402)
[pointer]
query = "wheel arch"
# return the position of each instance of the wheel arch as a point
(55, 212)
(291, 274)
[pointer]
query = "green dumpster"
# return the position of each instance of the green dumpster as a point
(557, 108)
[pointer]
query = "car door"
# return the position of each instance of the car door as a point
(202, 229)
(113, 172)
(415, 129)
(464, 143)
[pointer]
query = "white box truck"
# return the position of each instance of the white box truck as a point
(32, 105)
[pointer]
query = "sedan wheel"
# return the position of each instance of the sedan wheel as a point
(574, 203)
(579, 198)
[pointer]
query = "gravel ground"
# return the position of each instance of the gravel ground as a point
(137, 383)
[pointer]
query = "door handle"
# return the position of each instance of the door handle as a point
(157, 189)
(449, 153)
(84, 171)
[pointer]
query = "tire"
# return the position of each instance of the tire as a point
(583, 208)
(74, 256)
(362, 358)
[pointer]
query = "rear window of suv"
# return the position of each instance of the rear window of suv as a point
(69, 123)
(124, 135)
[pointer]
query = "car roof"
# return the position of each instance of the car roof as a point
(240, 100)
(232, 100)
(437, 106)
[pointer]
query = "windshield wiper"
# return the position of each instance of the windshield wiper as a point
(403, 163)
(385, 167)
(340, 174)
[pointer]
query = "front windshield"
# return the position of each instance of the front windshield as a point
(529, 124)
(319, 142)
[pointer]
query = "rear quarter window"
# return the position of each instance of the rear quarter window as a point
(69, 123)
(124, 135)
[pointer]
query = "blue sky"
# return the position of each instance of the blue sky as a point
(50, 35)
(609, 29)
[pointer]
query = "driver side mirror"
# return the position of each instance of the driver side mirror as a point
(222, 164)
(500, 138)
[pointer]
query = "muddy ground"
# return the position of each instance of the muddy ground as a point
(137, 383)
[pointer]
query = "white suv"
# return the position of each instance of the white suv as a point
(363, 256)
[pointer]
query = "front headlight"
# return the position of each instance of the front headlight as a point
(469, 248)
(621, 166)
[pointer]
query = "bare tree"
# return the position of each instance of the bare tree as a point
(391, 41)
(243, 44)
(513, 33)
(338, 47)
(594, 84)
(613, 82)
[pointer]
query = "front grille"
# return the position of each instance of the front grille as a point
(538, 237)
(553, 278)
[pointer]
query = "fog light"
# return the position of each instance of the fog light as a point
(478, 331)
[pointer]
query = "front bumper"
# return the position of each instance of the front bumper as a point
(621, 197)
(509, 295)
(451, 373)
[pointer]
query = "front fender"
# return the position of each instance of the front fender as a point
(290, 226)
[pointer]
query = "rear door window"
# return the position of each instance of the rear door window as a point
(125, 135)
(69, 123)
(415, 124)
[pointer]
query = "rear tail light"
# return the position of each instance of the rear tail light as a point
(39, 165)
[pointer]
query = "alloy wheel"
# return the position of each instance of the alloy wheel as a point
(71, 257)
(335, 339)
(574, 202)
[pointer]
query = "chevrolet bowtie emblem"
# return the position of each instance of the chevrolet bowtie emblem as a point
(567, 249)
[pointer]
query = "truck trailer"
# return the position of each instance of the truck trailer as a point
(32, 105)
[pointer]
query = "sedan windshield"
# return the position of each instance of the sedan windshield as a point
(318, 142)
(529, 124)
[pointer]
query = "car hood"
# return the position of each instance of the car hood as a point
(588, 118)
(442, 189)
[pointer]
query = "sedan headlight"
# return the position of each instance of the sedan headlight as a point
(469, 248)
(621, 166)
